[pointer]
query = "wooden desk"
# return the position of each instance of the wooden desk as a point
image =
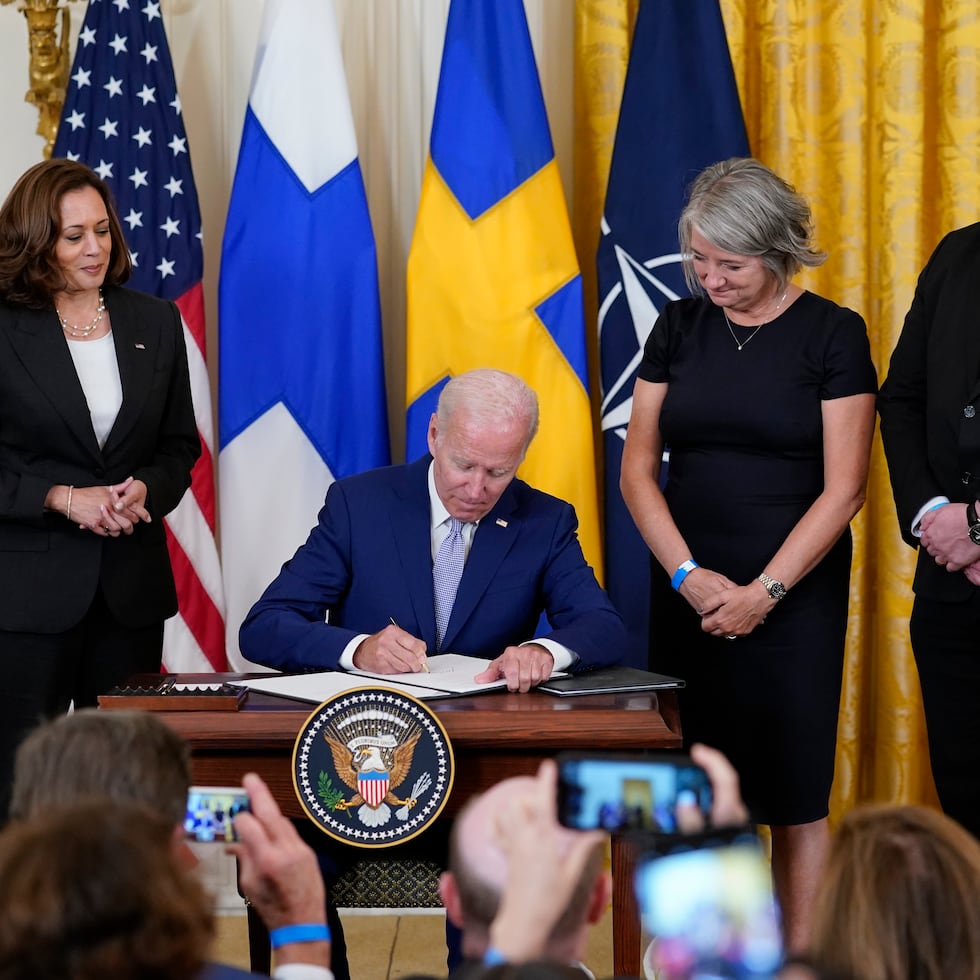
(493, 736)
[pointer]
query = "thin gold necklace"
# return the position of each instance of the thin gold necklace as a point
(89, 328)
(741, 344)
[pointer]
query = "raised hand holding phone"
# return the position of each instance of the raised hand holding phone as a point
(546, 863)
(280, 875)
(708, 901)
(653, 793)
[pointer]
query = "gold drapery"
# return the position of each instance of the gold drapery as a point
(603, 30)
(872, 109)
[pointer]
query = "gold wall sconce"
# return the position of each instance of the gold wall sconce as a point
(49, 65)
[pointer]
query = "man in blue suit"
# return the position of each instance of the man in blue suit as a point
(371, 560)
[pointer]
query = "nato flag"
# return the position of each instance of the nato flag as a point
(680, 113)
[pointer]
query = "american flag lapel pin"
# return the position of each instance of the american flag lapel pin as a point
(501, 522)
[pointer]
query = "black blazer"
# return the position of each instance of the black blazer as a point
(49, 568)
(930, 401)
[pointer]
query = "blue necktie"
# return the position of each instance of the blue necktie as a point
(447, 570)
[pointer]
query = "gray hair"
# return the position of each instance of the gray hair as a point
(490, 397)
(119, 755)
(742, 207)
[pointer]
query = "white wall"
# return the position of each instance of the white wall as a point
(392, 50)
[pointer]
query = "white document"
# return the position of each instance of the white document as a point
(449, 674)
(320, 687)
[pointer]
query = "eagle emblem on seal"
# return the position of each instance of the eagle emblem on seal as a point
(375, 765)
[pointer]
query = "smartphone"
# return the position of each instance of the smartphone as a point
(210, 810)
(710, 907)
(655, 793)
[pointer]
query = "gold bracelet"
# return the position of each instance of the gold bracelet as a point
(68, 511)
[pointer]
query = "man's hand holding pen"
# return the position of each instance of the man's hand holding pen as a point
(392, 651)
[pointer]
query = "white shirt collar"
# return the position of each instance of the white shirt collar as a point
(437, 509)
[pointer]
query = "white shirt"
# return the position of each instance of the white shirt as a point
(98, 374)
(931, 504)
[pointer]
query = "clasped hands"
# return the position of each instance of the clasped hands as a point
(109, 511)
(726, 609)
(393, 650)
(944, 536)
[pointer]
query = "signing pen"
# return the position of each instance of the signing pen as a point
(425, 666)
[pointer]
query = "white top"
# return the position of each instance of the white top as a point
(98, 373)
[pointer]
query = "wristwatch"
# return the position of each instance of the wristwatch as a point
(776, 589)
(973, 522)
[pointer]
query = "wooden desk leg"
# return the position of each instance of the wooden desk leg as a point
(626, 915)
(259, 950)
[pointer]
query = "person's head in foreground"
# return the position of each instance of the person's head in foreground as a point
(481, 859)
(96, 892)
(900, 898)
(122, 755)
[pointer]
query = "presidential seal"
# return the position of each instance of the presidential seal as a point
(372, 767)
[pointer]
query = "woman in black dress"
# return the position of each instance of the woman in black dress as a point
(765, 395)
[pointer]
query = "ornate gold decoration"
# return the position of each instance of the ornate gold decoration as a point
(49, 64)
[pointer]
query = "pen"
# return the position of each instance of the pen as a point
(425, 666)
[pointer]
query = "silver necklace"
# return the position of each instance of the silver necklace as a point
(89, 328)
(757, 329)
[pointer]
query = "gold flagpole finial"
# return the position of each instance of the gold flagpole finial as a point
(49, 64)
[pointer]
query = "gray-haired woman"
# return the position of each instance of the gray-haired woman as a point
(765, 395)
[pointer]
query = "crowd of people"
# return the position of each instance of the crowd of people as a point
(97, 881)
(765, 396)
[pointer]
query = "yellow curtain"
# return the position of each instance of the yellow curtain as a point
(872, 109)
(603, 30)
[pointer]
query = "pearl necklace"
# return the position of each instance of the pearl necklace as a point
(757, 329)
(86, 331)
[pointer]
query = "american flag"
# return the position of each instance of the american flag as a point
(123, 118)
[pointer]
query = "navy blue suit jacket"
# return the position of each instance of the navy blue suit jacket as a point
(369, 561)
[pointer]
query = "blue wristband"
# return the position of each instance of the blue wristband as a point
(942, 503)
(493, 957)
(314, 932)
(683, 570)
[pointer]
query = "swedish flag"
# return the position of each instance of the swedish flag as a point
(493, 279)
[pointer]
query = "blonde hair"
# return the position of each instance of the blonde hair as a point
(900, 898)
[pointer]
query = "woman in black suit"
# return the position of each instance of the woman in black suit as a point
(97, 441)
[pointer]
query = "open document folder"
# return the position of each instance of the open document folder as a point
(450, 674)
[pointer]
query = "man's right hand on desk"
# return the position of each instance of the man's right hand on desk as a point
(391, 651)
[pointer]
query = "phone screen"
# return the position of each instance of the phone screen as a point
(654, 795)
(712, 912)
(210, 810)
